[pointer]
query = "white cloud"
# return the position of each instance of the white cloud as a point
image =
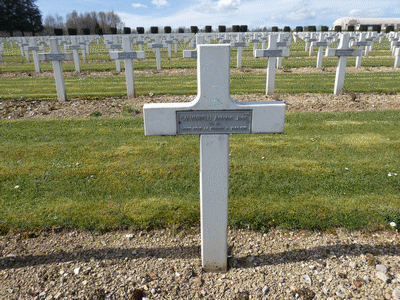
(138, 5)
(159, 3)
(227, 5)
(254, 13)
(366, 13)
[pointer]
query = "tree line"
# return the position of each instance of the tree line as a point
(23, 16)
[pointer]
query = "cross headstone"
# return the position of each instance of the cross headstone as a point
(397, 55)
(320, 44)
(55, 56)
(114, 45)
(272, 53)
(311, 40)
(213, 115)
(157, 45)
(127, 55)
(193, 53)
(1, 51)
(34, 48)
(362, 42)
(239, 44)
(75, 47)
(282, 43)
(255, 41)
(343, 51)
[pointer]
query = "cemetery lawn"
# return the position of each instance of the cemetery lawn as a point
(326, 170)
(115, 86)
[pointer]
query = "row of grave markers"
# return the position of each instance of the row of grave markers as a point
(277, 49)
(213, 115)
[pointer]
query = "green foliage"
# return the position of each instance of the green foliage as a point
(140, 30)
(351, 28)
(274, 29)
(312, 28)
(221, 28)
(86, 31)
(113, 30)
(23, 16)
(97, 29)
(72, 31)
(286, 29)
(58, 31)
(324, 28)
(208, 28)
(389, 28)
(96, 114)
(338, 28)
(167, 29)
(154, 29)
(363, 28)
(127, 30)
(299, 29)
(236, 28)
(194, 29)
(377, 28)
(243, 28)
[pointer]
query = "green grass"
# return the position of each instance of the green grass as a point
(325, 170)
(76, 86)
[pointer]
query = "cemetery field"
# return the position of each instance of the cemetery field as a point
(85, 163)
(326, 170)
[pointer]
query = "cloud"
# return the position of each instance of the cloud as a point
(227, 5)
(138, 5)
(160, 3)
(302, 14)
(366, 13)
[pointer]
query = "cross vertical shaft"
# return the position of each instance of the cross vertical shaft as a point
(214, 174)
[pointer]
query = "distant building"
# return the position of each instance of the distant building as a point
(357, 22)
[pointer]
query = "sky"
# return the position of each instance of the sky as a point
(253, 13)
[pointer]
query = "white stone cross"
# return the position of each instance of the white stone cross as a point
(362, 42)
(311, 40)
(239, 44)
(34, 48)
(127, 55)
(114, 45)
(272, 53)
(213, 114)
(282, 43)
(343, 51)
(1, 51)
(396, 54)
(55, 56)
(75, 47)
(320, 44)
(193, 53)
(157, 45)
(255, 41)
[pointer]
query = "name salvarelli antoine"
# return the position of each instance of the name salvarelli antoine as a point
(211, 117)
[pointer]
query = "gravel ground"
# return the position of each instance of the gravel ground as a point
(166, 264)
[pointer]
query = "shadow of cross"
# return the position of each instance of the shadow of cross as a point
(214, 115)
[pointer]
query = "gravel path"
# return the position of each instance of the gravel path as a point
(165, 264)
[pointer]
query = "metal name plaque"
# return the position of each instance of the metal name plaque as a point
(213, 122)
(127, 55)
(54, 57)
(271, 53)
(350, 52)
